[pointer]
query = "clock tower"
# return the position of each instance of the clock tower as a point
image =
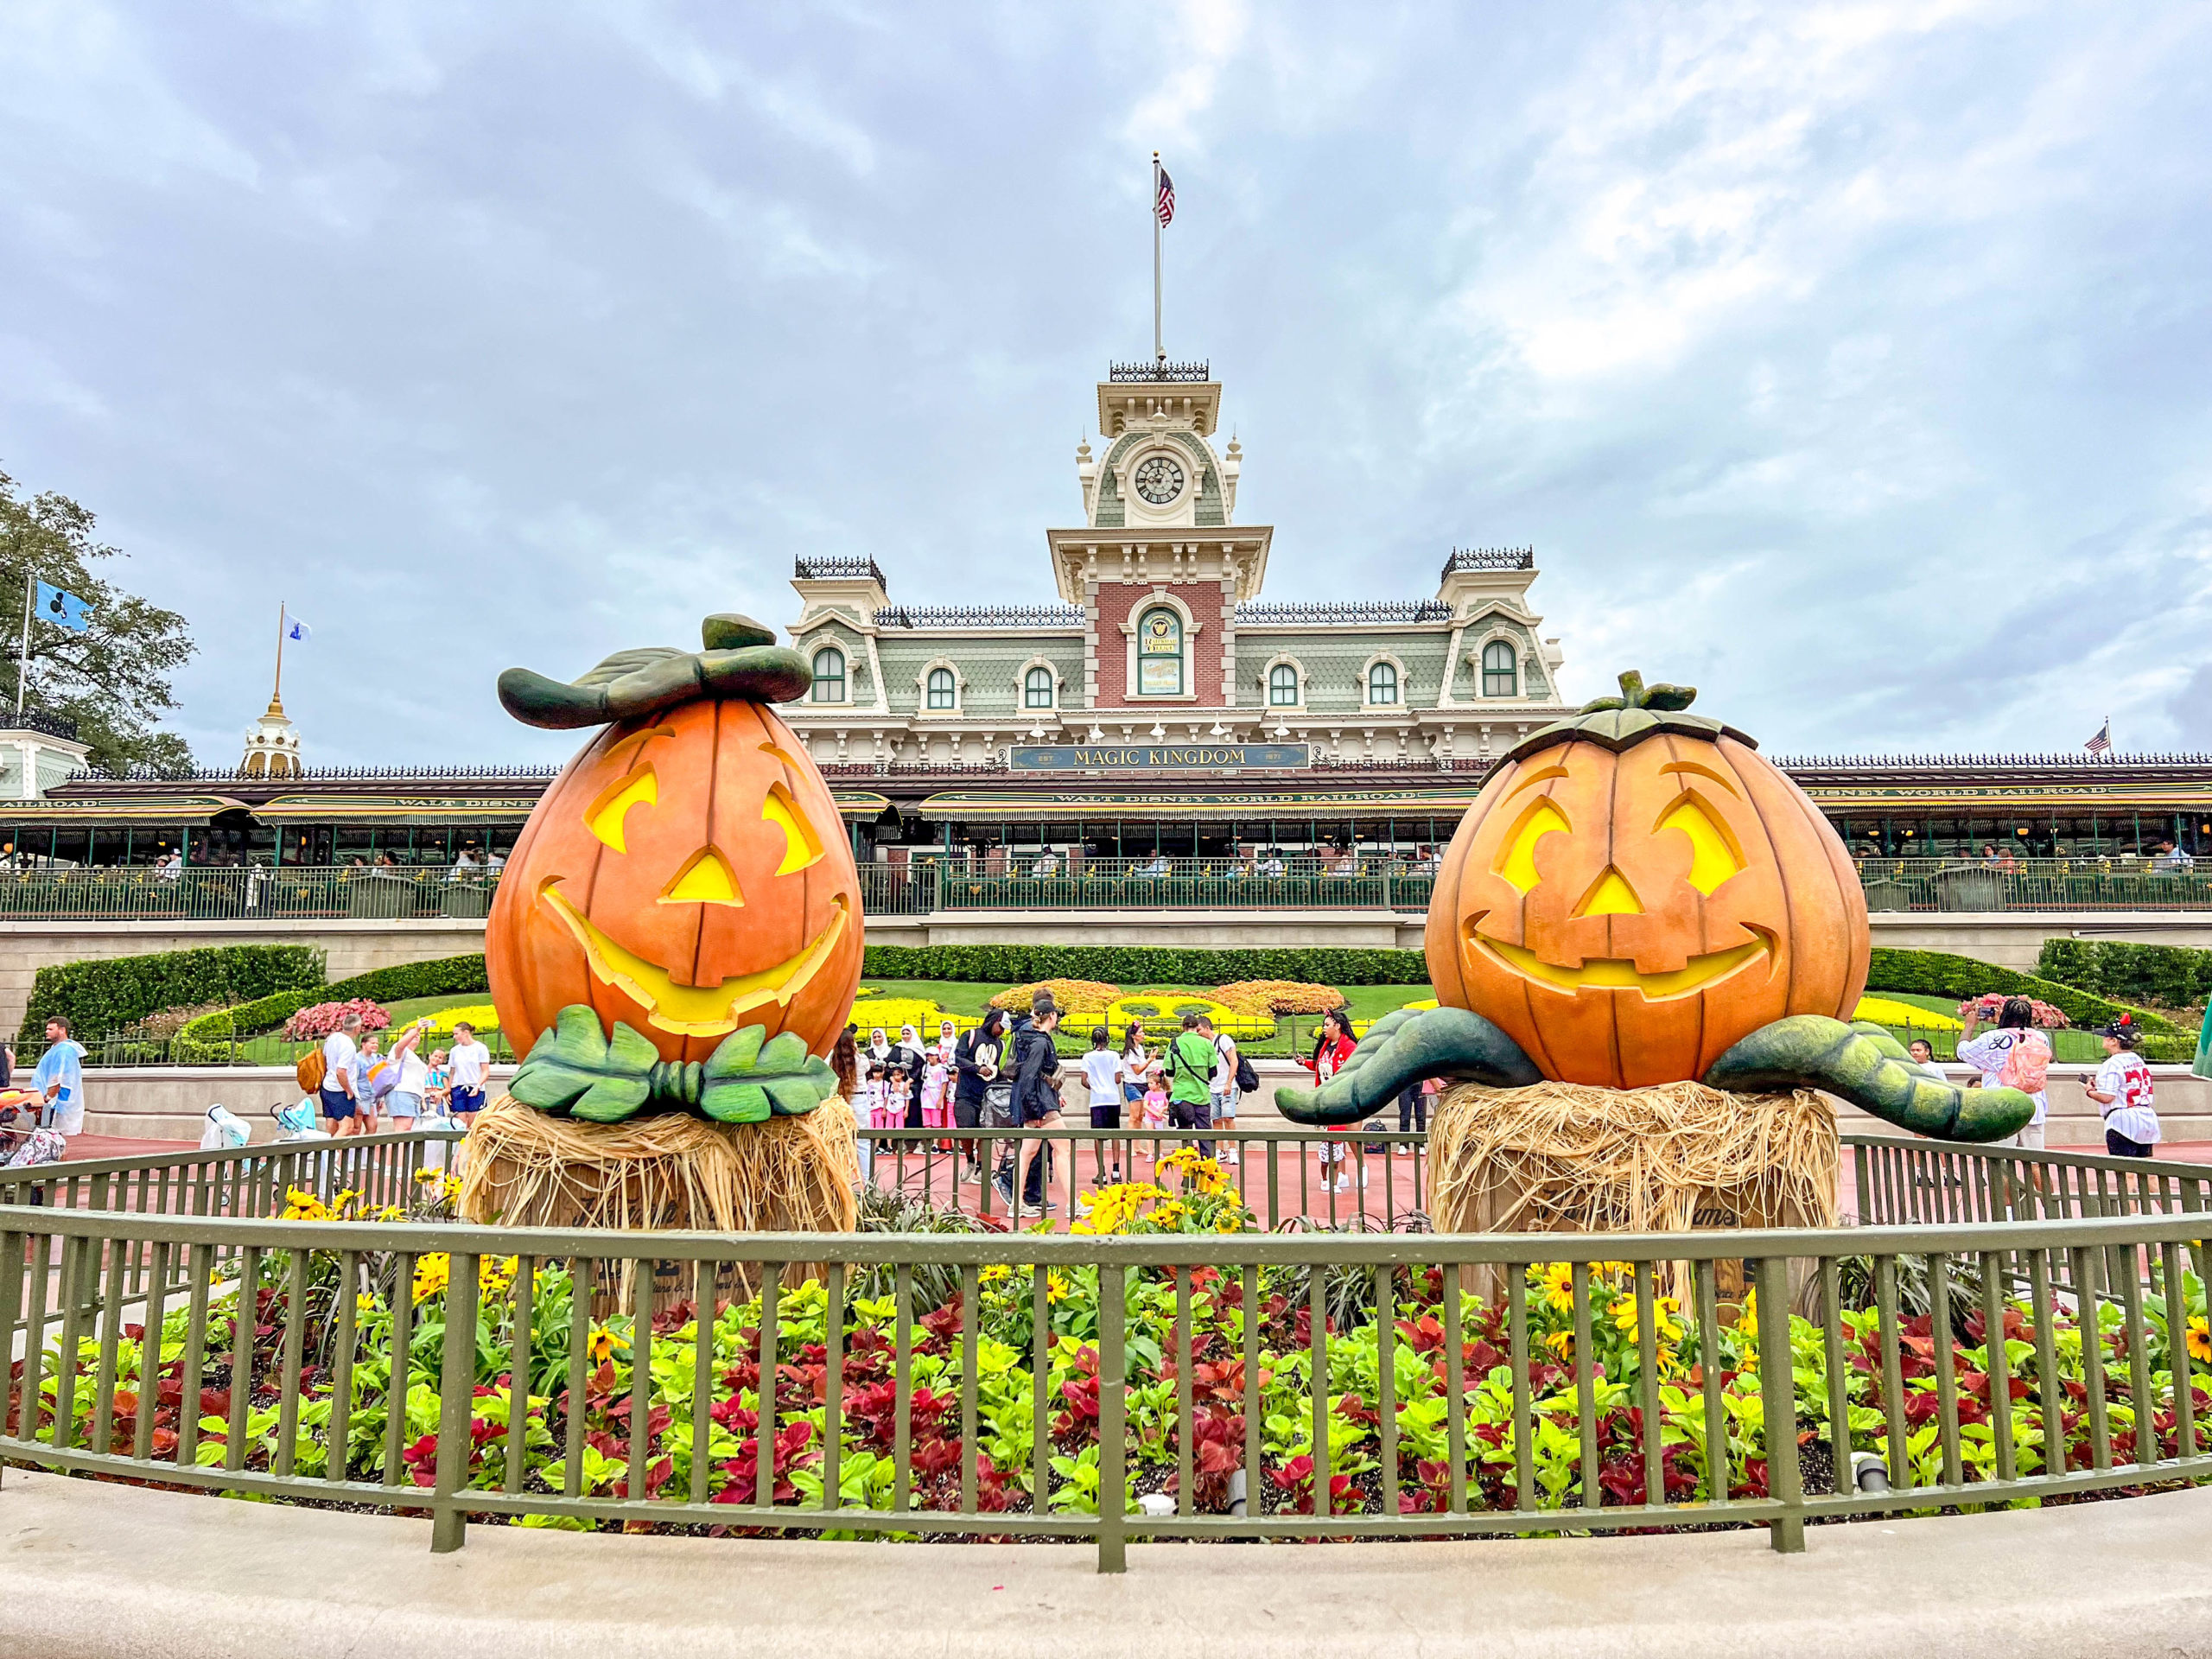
(1160, 565)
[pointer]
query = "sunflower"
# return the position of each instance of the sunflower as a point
(2200, 1340)
(1555, 1280)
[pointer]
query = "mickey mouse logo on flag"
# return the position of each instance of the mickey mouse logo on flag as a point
(64, 609)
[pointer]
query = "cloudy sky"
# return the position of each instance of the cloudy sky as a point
(1847, 360)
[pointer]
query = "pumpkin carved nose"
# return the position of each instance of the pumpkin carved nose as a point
(1613, 896)
(706, 879)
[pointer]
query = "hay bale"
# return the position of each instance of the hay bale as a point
(1562, 1157)
(671, 1172)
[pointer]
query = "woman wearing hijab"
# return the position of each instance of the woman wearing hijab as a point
(977, 1059)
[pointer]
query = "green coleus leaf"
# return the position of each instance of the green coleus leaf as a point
(577, 1070)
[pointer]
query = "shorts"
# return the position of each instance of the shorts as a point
(337, 1104)
(1224, 1106)
(1106, 1116)
(2118, 1146)
(966, 1112)
(465, 1100)
(2028, 1140)
(1042, 1104)
(399, 1105)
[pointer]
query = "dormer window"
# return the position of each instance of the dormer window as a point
(1037, 688)
(940, 692)
(829, 676)
(1383, 684)
(1282, 686)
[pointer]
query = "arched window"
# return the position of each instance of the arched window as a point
(1499, 669)
(1282, 685)
(1037, 688)
(1383, 682)
(829, 674)
(1160, 653)
(942, 693)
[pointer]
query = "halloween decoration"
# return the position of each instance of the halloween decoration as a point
(1638, 898)
(674, 944)
(679, 926)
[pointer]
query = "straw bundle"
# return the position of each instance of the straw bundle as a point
(665, 1173)
(1562, 1156)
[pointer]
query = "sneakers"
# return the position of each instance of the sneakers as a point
(1343, 1184)
(1004, 1188)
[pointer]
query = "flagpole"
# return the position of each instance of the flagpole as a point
(1158, 351)
(24, 662)
(276, 693)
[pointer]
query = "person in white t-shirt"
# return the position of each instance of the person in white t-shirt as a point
(2014, 1056)
(472, 1064)
(338, 1051)
(2123, 1093)
(1101, 1071)
(404, 1104)
(1224, 1088)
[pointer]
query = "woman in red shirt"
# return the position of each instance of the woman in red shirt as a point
(1332, 1048)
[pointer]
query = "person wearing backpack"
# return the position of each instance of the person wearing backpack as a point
(2014, 1056)
(1191, 1062)
(1232, 1075)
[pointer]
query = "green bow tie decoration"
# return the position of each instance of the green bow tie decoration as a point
(574, 1069)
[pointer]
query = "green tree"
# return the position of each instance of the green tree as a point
(112, 679)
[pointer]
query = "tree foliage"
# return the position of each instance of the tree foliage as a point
(113, 679)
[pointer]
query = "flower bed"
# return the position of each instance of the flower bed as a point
(323, 1018)
(1701, 1456)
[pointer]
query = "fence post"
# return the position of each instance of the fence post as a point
(1113, 1411)
(1778, 1407)
(456, 1402)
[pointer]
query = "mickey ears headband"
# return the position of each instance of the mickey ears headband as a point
(741, 660)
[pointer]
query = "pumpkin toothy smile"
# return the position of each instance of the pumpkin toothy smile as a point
(1610, 973)
(693, 1010)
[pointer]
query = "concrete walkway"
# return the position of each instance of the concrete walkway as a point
(123, 1574)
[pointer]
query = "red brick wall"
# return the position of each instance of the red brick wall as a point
(1117, 600)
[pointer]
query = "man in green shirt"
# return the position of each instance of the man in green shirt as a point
(1191, 1062)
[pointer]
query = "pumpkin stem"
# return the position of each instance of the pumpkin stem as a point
(1635, 695)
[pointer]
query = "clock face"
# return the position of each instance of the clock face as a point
(1159, 480)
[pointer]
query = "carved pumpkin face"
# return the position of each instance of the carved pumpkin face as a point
(687, 874)
(1627, 917)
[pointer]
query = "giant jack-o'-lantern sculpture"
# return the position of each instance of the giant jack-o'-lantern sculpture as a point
(674, 944)
(1638, 898)
(686, 883)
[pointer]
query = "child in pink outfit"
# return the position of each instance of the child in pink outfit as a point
(936, 1103)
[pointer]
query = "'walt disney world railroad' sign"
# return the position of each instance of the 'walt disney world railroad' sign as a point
(1157, 757)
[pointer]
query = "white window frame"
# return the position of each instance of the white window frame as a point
(1159, 597)
(845, 676)
(1381, 659)
(1282, 659)
(1478, 658)
(921, 708)
(1021, 686)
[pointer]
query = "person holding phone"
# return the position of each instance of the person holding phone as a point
(2122, 1090)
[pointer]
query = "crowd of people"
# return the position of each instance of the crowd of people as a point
(362, 1087)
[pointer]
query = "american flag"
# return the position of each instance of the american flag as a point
(2102, 741)
(1164, 206)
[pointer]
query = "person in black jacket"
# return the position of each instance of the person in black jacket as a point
(975, 1060)
(1036, 1096)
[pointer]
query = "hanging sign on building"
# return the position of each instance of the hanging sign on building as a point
(1159, 757)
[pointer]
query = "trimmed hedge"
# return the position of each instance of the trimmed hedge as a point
(1021, 964)
(1938, 973)
(2172, 975)
(103, 994)
(208, 1039)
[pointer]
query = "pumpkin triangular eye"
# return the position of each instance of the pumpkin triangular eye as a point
(706, 880)
(801, 847)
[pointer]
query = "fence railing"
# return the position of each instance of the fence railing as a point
(1058, 881)
(1233, 1385)
(546, 1386)
(253, 893)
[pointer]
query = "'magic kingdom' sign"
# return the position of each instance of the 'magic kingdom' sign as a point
(1157, 757)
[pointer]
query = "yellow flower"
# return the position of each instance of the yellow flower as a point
(1230, 1221)
(1056, 1287)
(1556, 1281)
(1747, 1322)
(2200, 1340)
(432, 1274)
(363, 1304)
(1664, 1324)
(996, 1272)
(494, 1274)
(301, 1205)
(1169, 1214)
(603, 1344)
(392, 1212)
(427, 1177)
(1562, 1342)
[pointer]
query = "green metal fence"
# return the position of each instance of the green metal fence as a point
(1058, 882)
(542, 1386)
